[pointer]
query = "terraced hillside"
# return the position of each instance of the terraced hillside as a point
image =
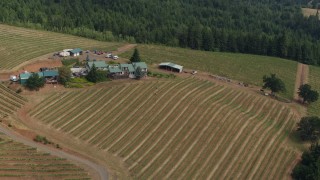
(21, 161)
(314, 80)
(9, 101)
(19, 44)
(179, 129)
(243, 67)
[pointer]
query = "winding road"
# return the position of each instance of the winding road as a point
(96, 167)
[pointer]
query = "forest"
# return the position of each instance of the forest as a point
(263, 27)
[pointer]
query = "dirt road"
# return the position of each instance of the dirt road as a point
(99, 169)
(301, 78)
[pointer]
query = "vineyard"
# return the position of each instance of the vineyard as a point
(19, 44)
(314, 80)
(179, 129)
(10, 101)
(21, 161)
(242, 67)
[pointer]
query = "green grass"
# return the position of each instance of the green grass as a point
(243, 67)
(19, 44)
(314, 81)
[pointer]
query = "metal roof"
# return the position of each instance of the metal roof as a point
(142, 65)
(76, 50)
(172, 65)
(50, 73)
(114, 69)
(98, 64)
(128, 66)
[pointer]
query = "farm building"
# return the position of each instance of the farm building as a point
(76, 52)
(142, 65)
(101, 65)
(65, 53)
(50, 76)
(171, 67)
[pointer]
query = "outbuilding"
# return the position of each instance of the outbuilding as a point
(76, 52)
(171, 67)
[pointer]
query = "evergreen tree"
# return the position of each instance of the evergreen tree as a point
(64, 74)
(135, 56)
(139, 74)
(35, 82)
(92, 75)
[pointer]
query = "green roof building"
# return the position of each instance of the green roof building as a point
(101, 65)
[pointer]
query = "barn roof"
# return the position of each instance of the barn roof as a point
(50, 73)
(172, 65)
(76, 50)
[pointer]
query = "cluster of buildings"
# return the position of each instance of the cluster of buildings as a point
(118, 71)
(50, 76)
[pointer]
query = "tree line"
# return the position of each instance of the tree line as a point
(264, 27)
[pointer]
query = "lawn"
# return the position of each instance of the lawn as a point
(314, 81)
(243, 67)
(20, 44)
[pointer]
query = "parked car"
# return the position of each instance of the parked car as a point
(109, 55)
(115, 57)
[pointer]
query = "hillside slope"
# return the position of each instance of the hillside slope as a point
(179, 129)
(19, 45)
(242, 67)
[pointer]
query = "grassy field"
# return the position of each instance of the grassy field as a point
(19, 44)
(308, 12)
(314, 81)
(23, 162)
(243, 67)
(179, 129)
(10, 101)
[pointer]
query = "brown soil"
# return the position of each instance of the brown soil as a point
(301, 78)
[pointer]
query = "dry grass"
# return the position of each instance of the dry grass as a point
(19, 45)
(184, 128)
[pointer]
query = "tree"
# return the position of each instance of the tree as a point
(308, 168)
(35, 82)
(308, 128)
(64, 74)
(96, 75)
(139, 73)
(273, 83)
(307, 94)
(135, 56)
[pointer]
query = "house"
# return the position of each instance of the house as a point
(116, 72)
(76, 52)
(171, 67)
(142, 65)
(101, 65)
(128, 69)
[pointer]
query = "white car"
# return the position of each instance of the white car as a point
(115, 57)
(109, 55)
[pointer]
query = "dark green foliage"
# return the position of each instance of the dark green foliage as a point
(308, 94)
(308, 168)
(309, 128)
(273, 83)
(35, 82)
(265, 27)
(42, 139)
(139, 74)
(64, 74)
(135, 56)
(96, 75)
